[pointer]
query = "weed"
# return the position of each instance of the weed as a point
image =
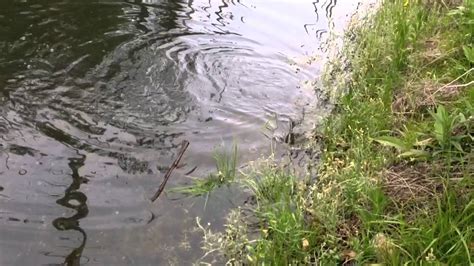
(226, 166)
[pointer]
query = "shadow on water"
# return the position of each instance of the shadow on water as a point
(97, 95)
(75, 200)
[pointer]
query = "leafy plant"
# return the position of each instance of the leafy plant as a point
(406, 149)
(469, 53)
(443, 129)
(444, 125)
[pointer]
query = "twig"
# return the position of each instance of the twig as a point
(456, 79)
(460, 85)
(184, 146)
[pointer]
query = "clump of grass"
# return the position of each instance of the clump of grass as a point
(278, 221)
(279, 210)
(226, 172)
(395, 182)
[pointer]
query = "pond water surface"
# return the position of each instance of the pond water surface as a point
(97, 95)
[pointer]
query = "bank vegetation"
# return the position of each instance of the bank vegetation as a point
(395, 182)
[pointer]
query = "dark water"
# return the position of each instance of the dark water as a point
(97, 95)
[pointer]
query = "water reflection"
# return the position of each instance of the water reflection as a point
(75, 200)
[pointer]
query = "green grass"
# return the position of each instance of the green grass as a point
(226, 172)
(278, 202)
(395, 182)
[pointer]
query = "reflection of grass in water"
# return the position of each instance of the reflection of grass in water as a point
(226, 165)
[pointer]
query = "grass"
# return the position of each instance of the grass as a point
(226, 166)
(395, 182)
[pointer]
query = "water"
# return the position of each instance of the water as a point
(97, 95)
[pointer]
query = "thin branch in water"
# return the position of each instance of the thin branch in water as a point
(184, 146)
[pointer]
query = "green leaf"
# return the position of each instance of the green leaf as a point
(442, 124)
(457, 145)
(414, 153)
(392, 142)
(469, 53)
(462, 118)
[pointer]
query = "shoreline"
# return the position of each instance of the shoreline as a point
(395, 181)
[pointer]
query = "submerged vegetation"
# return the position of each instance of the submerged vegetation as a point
(396, 178)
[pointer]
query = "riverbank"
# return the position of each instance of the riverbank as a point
(396, 177)
(398, 163)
